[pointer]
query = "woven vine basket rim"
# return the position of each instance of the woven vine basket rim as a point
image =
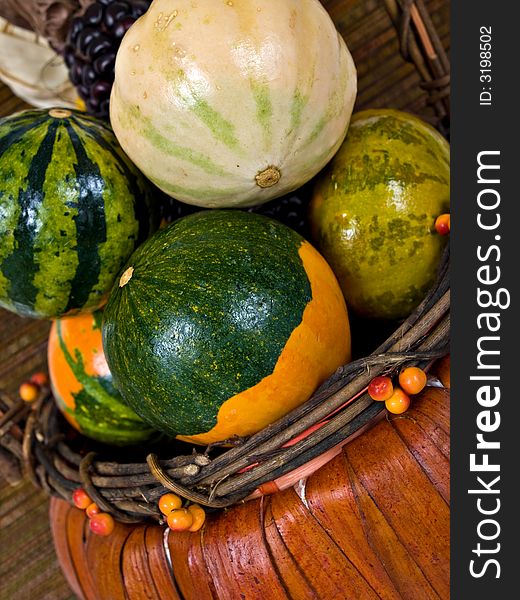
(282, 452)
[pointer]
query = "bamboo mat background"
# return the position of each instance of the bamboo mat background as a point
(28, 566)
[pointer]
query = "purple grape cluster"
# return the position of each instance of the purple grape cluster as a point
(92, 44)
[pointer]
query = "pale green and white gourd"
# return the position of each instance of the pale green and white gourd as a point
(231, 103)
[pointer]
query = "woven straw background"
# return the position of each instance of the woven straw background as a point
(28, 566)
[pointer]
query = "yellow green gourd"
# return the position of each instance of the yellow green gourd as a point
(230, 104)
(374, 208)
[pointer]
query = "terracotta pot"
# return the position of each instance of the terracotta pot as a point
(371, 523)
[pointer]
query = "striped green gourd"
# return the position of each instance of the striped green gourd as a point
(72, 210)
(231, 104)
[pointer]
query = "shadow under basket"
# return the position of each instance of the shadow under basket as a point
(327, 515)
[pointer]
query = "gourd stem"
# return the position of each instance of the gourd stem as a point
(60, 113)
(268, 177)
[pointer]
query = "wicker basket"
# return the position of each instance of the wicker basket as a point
(372, 523)
(281, 454)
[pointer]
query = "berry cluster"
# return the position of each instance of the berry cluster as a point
(190, 518)
(93, 40)
(412, 380)
(100, 523)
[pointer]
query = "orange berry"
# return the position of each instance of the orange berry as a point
(412, 380)
(180, 519)
(398, 403)
(92, 509)
(199, 516)
(442, 224)
(169, 502)
(81, 499)
(40, 378)
(29, 391)
(380, 388)
(102, 524)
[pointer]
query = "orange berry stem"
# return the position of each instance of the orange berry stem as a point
(81, 499)
(180, 519)
(39, 378)
(412, 380)
(380, 388)
(92, 509)
(199, 516)
(169, 502)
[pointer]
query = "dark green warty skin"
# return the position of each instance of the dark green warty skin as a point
(72, 210)
(208, 309)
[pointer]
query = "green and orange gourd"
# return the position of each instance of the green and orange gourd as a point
(82, 384)
(222, 323)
